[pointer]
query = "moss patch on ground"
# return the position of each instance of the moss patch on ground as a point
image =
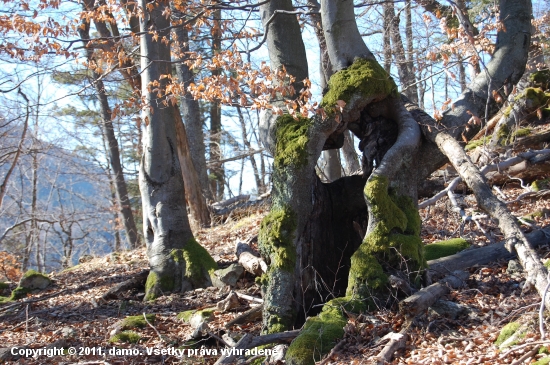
(277, 237)
(126, 336)
(364, 77)
(539, 185)
(4, 300)
(133, 322)
(472, 145)
(543, 361)
(320, 333)
(186, 315)
(506, 332)
(445, 248)
(394, 240)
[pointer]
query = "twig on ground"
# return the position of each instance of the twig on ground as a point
(153, 327)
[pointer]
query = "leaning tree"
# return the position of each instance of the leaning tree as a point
(343, 239)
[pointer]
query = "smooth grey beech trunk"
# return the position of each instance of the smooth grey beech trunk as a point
(177, 262)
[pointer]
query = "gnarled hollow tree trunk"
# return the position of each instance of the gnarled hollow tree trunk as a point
(310, 240)
(177, 261)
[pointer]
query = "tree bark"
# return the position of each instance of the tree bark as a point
(177, 261)
(191, 112)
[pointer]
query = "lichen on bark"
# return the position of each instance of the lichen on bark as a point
(394, 240)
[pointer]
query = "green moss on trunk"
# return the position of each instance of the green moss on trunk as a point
(277, 238)
(364, 77)
(292, 139)
(394, 240)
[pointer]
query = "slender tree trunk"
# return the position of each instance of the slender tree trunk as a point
(350, 156)
(259, 185)
(217, 174)
(4, 186)
(107, 127)
(388, 19)
(191, 112)
(406, 74)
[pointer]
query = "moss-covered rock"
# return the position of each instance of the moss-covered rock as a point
(364, 77)
(19, 293)
(541, 79)
(193, 316)
(125, 336)
(34, 280)
(394, 239)
(506, 332)
(198, 264)
(320, 333)
(445, 248)
(133, 322)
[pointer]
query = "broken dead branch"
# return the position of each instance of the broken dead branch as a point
(249, 316)
(249, 259)
(423, 299)
(248, 341)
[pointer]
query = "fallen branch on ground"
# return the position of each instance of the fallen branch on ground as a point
(134, 282)
(248, 341)
(483, 255)
(426, 297)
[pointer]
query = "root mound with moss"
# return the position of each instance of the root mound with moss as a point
(192, 261)
(321, 333)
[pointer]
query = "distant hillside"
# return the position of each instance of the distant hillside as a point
(73, 205)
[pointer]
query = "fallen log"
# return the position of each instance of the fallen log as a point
(423, 299)
(249, 259)
(483, 255)
(248, 341)
(249, 316)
